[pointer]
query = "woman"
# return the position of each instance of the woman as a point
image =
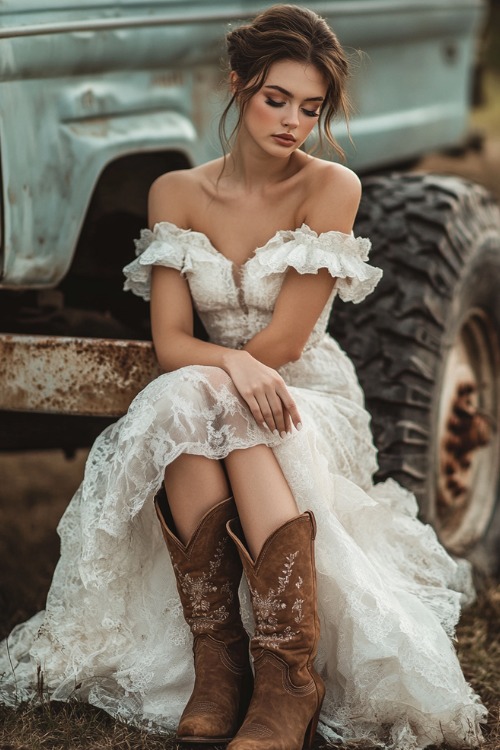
(256, 433)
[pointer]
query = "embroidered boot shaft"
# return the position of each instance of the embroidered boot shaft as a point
(208, 572)
(288, 693)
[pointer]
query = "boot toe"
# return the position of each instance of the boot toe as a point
(204, 720)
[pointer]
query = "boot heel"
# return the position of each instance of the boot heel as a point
(311, 729)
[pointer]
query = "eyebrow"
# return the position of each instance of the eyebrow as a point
(287, 93)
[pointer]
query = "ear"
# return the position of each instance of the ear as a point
(233, 81)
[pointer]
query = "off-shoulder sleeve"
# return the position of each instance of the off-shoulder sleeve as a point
(344, 255)
(164, 246)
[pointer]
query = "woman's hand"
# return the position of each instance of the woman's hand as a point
(264, 391)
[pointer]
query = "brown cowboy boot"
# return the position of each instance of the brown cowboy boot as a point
(288, 693)
(208, 572)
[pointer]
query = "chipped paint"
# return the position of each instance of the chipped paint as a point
(80, 376)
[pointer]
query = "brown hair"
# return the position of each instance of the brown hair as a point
(287, 32)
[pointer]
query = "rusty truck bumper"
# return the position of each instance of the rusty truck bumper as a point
(73, 376)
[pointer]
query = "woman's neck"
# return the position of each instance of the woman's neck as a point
(252, 170)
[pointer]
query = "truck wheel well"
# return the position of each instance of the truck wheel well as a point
(115, 216)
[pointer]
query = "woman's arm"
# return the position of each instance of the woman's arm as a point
(303, 296)
(171, 305)
(172, 327)
(261, 387)
(298, 307)
(299, 304)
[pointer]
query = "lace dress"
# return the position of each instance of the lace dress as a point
(113, 632)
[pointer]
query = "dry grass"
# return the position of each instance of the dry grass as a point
(479, 652)
(77, 726)
(34, 492)
(73, 726)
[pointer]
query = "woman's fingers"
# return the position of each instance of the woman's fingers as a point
(288, 421)
(276, 407)
(290, 407)
(265, 413)
(266, 394)
(269, 408)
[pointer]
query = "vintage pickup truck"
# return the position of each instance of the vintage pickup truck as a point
(97, 98)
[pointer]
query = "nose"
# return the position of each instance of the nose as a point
(291, 117)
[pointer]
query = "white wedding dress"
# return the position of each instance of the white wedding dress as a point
(113, 632)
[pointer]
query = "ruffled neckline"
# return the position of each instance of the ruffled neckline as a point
(303, 249)
(281, 236)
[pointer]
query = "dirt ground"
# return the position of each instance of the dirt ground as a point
(482, 167)
(35, 489)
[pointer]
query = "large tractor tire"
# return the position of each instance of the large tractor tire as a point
(426, 345)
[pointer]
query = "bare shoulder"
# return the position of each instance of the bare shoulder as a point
(337, 177)
(167, 198)
(174, 195)
(334, 192)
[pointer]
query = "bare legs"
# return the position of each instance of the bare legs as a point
(194, 484)
(267, 510)
(261, 493)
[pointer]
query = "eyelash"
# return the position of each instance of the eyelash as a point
(307, 112)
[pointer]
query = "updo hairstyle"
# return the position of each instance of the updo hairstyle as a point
(287, 32)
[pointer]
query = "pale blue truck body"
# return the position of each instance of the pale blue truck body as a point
(85, 84)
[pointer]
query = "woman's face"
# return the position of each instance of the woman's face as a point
(280, 116)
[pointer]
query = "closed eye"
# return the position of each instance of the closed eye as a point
(274, 103)
(307, 112)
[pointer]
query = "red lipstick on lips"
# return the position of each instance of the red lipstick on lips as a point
(284, 139)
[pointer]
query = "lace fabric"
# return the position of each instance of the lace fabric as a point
(389, 595)
(344, 255)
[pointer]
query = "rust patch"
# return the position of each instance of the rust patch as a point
(467, 430)
(62, 375)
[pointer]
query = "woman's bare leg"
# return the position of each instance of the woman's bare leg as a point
(261, 492)
(193, 484)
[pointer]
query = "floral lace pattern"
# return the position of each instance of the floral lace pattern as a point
(198, 591)
(389, 596)
(267, 607)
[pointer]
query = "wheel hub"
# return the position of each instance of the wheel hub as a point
(468, 439)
